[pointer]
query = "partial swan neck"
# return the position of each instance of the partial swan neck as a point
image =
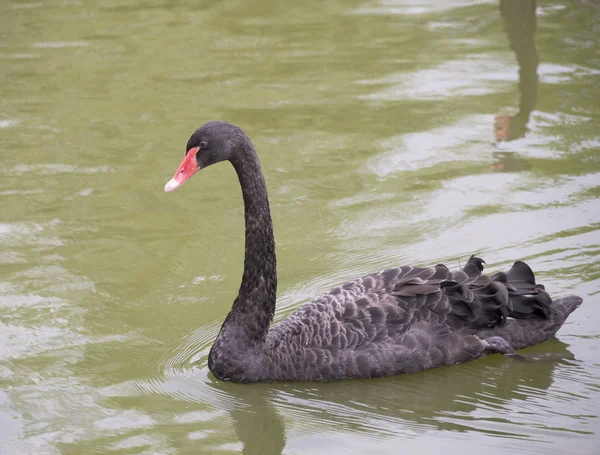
(259, 281)
(253, 308)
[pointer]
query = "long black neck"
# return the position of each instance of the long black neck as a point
(253, 308)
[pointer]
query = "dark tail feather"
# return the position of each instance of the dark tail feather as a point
(520, 333)
(533, 316)
(482, 301)
(475, 298)
(527, 299)
(474, 266)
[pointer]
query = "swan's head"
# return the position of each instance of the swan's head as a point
(211, 143)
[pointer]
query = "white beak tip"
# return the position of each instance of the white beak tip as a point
(171, 185)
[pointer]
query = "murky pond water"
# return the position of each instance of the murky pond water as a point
(376, 125)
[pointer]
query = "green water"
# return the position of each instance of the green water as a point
(374, 122)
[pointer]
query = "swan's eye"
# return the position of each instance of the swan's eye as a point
(203, 145)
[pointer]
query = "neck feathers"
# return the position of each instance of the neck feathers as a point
(254, 306)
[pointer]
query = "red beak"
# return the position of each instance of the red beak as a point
(187, 168)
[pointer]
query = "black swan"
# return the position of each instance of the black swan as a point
(399, 320)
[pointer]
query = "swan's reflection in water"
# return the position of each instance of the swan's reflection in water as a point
(259, 427)
(468, 397)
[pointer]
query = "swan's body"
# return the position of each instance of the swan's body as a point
(400, 320)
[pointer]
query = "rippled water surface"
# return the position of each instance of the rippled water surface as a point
(374, 122)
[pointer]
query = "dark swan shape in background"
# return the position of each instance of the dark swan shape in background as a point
(399, 320)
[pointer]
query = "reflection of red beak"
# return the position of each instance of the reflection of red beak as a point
(187, 168)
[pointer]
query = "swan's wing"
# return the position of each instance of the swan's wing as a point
(402, 320)
(380, 307)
